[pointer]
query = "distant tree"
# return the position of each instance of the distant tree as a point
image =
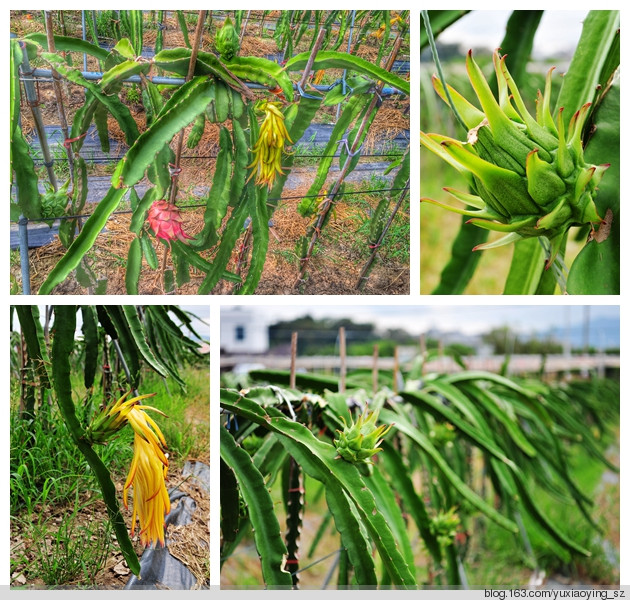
(318, 336)
(506, 341)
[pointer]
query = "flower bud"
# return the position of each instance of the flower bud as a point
(226, 40)
(359, 441)
(528, 176)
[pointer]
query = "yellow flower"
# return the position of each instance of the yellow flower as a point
(150, 498)
(148, 467)
(270, 145)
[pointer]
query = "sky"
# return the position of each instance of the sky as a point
(465, 319)
(559, 30)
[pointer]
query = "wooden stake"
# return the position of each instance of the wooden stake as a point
(294, 337)
(311, 59)
(396, 369)
(189, 76)
(375, 369)
(342, 359)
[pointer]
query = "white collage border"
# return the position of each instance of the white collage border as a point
(414, 299)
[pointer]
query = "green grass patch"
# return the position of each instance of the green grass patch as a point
(53, 492)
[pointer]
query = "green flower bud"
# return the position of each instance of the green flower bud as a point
(528, 175)
(444, 525)
(226, 40)
(359, 441)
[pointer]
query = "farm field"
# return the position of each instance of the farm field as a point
(251, 175)
(413, 467)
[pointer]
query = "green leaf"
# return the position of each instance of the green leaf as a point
(69, 44)
(342, 481)
(596, 269)
(401, 423)
(308, 205)
(461, 267)
(62, 348)
(400, 476)
(178, 112)
(218, 196)
(341, 60)
(260, 231)
(134, 266)
(263, 71)
(118, 110)
(84, 241)
(231, 233)
(579, 84)
(35, 344)
(28, 196)
(518, 41)
(526, 268)
(260, 506)
(89, 327)
(440, 20)
(138, 334)
(126, 341)
(183, 27)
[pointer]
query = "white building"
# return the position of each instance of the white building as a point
(243, 331)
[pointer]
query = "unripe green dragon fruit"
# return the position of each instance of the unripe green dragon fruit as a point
(226, 40)
(529, 174)
(359, 441)
(54, 203)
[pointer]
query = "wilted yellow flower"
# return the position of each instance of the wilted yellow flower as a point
(148, 467)
(270, 145)
(150, 498)
(147, 474)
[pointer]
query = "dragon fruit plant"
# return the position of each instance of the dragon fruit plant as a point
(536, 174)
(529, 173)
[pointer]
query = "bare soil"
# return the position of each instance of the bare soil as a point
(333, 269)
(190, 543)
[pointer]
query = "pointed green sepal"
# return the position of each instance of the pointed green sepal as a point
(564, 161)
(503, 227)
(471, 115)
(507, 187)
(543, 183)
(510, 238)
(554, 219)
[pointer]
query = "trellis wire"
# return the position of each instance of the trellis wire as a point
(201, 205)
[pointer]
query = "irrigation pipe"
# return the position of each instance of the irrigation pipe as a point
(58, 93)
(96, 76)
(110, 160)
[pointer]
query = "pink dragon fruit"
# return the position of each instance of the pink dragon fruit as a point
(166, 222)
